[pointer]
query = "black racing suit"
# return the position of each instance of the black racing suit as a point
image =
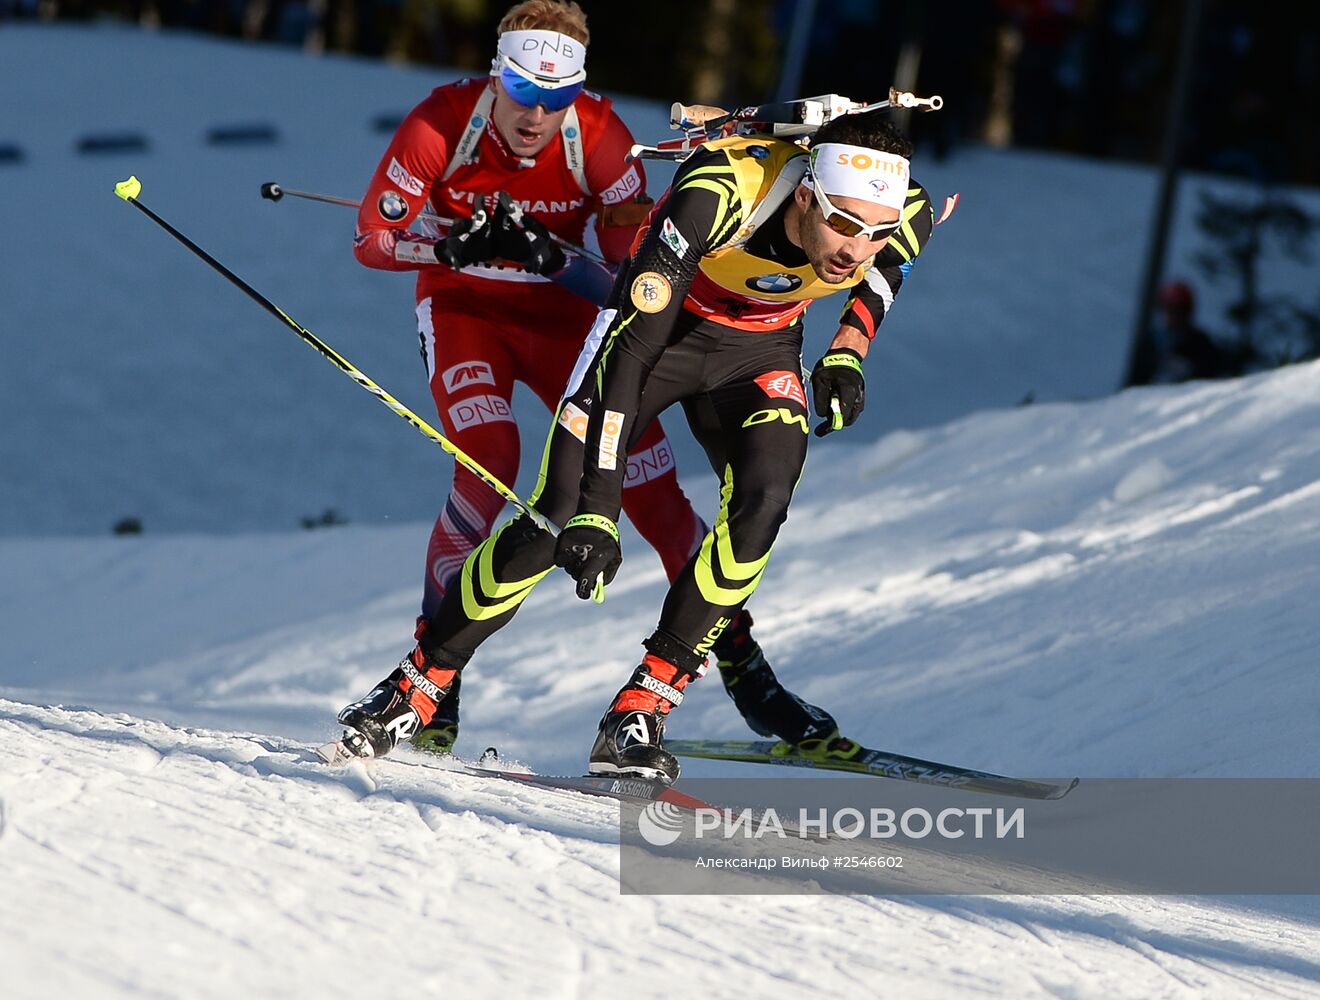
(741, 390)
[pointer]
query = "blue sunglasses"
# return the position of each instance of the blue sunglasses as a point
(529, 92)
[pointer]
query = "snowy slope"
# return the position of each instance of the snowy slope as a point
(1119, 588)
(142, 860)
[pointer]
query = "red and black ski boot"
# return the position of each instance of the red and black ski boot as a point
(766, 705)
(629, 741)
(398, 706)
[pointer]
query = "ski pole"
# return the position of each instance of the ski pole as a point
(274, 192)
(129, 191)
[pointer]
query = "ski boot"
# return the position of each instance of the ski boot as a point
(629, 739)
(765, 704)
(398, 706)
(440, 734)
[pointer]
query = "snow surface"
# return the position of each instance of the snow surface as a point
(1115, 588)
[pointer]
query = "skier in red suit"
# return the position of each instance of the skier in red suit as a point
(498, 306)
(520, 161)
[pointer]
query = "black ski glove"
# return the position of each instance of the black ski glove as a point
(523, 239)
(588, 548)
(470, 241)
(838, 375)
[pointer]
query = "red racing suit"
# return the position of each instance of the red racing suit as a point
(485, 327)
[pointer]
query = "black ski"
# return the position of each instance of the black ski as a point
(879, 763)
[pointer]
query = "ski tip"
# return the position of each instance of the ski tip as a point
(1060, 790)
(129, 189)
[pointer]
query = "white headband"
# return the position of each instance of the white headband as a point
(545, 54)
(857, 172)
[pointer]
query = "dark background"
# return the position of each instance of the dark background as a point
(1081, 76)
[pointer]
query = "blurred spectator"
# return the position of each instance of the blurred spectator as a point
(1178, 350)
(1045, 75)
(1125, 62)
(956, 64)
